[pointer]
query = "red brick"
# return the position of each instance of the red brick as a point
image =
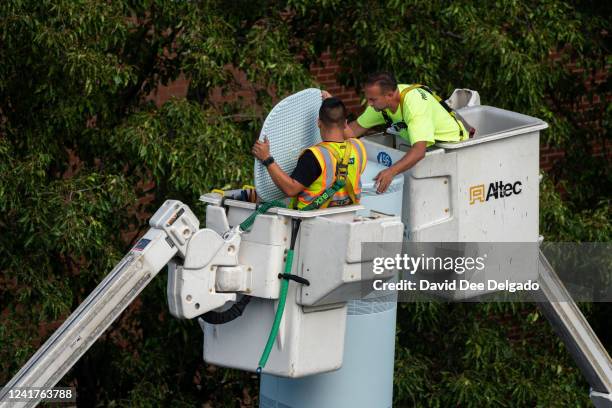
(327, 78)
(351, 101)
(329, 71)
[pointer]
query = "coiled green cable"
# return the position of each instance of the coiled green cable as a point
(295, 224)
(284, 288)
(282, 297)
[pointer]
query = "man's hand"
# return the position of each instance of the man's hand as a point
(325, 95)
(384, 179)
(289, 186)
(412, 157)
(261, 150)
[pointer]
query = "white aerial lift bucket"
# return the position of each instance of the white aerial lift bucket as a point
(482, 190)
(327, 253)
(450, 195)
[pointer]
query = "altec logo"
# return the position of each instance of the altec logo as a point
(497, 189)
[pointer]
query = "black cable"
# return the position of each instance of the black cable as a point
(228, 315)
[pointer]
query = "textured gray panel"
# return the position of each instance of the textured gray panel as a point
(370, 306)
(291, 127)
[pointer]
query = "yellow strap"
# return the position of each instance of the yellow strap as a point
(350, 191)
(347, 153)
(403, 94)
(345, 160)
(435, 95)
(218, 191)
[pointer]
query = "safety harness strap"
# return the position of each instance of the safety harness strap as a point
(342, 180)
(385, 115)
(342, 169)
(471, 130)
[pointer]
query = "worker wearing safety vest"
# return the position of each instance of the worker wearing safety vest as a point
(415, 111)
(327, 174)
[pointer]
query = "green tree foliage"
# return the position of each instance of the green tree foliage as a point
(539, 58)
(86, 156)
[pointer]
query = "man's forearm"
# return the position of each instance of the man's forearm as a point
(348, 133)
(283, 181)
(412, 157)
(354, 130)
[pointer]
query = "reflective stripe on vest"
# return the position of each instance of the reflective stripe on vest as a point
(327, 161)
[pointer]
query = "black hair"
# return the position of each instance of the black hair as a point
(333, 112)
(385, 80)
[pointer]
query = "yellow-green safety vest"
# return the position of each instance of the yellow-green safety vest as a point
(324, 153)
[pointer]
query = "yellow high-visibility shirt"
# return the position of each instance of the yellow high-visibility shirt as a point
(425, 118)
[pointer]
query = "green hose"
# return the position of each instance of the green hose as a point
(279, 314)
(284, 288)
(282, 297)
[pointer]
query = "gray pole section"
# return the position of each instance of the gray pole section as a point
(366, 376)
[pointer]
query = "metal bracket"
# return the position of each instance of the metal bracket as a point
(211, 267)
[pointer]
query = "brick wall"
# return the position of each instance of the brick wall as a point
(176, 89)
(325, 72)
(549, 156)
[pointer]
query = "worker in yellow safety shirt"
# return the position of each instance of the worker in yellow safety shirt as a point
(413, 110)
(326, 174)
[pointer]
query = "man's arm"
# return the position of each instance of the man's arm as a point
(412, 157)
(354, 129)
(421, 132)
(288, 185)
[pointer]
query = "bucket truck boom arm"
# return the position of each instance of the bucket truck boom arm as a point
(172, 227)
